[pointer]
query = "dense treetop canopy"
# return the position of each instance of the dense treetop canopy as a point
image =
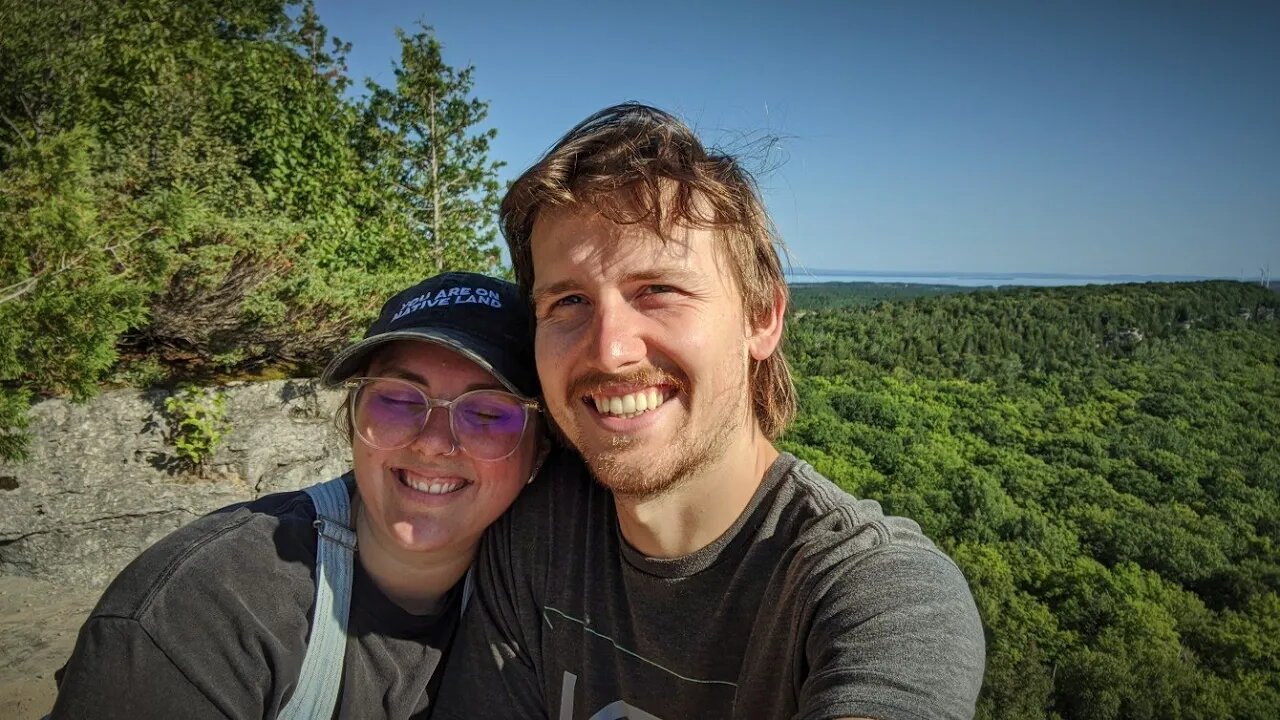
(1102, 463)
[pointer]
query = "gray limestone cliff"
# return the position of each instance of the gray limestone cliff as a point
(102, 482)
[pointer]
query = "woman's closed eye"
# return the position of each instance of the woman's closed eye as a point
(400, 401)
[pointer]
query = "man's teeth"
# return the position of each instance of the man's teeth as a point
(629, 405)
(432, 487)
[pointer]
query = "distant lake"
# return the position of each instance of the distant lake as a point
(979, 279)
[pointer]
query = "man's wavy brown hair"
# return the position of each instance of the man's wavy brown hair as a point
(637, 164)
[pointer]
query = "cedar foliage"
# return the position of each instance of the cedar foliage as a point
(187, 188)
(1100, 461)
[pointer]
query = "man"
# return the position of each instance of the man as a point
(702, 574)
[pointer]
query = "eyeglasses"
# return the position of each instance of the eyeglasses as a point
(390, 414)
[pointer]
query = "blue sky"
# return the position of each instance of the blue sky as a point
(1090, 138)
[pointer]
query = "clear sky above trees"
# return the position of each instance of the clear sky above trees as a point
(1089, 138)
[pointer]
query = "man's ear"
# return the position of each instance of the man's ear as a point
(766, 330)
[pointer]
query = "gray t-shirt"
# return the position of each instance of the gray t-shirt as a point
(212, 621)
(812, 605)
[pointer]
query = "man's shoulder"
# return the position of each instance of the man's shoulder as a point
(236, 547)
(886, 615)
(823, 517)
(852, 562)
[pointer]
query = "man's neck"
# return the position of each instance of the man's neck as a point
(695, 512)
(414, 581)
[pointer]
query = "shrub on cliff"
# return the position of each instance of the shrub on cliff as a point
(189, 181)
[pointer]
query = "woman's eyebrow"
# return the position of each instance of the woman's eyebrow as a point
(400, 373)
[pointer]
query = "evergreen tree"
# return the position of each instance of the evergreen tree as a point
(429, 125)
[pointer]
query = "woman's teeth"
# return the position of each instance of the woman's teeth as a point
(629, 405)
(432, 487)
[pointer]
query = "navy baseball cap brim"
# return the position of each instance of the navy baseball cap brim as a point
(351, 360)
(482, 318)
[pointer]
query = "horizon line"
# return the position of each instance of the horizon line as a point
(1004, 274)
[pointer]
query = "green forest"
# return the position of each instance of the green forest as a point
(192, 191)
(1103, 464)
(196, 189)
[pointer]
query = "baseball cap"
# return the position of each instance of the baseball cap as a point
(482, 318)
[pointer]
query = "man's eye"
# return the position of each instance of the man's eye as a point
(567, 300)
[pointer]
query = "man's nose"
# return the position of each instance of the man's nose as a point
(616, 341)
(436, 437)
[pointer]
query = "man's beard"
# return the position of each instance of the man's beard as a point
(637, 476)
(641, 478)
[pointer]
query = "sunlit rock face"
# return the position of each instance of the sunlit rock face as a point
(102, 482)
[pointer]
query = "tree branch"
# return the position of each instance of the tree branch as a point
(24, 286)
(16, 131)
(35, 122)
(17, 289)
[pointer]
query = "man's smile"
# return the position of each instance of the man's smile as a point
(629, 404)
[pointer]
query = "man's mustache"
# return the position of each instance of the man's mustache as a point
(592, 381)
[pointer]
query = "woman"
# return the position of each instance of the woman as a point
(225, 618)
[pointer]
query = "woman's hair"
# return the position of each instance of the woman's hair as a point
(342, 419)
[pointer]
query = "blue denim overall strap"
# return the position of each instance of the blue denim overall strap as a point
(317, 693)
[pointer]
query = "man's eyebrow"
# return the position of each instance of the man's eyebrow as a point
(400, 373)
(676, 274)
(554, 288)
(663, 274)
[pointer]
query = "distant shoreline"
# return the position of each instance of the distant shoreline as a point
(990, 279)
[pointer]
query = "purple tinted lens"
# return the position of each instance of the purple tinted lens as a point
(390, 413)
(488, 425)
